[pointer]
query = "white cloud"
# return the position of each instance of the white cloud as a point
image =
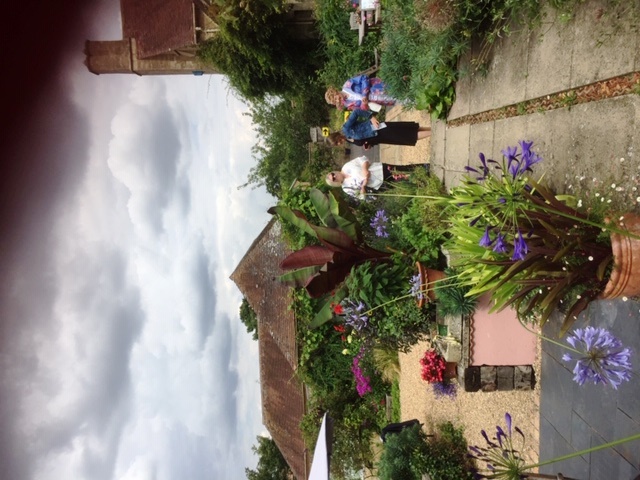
(131, 361)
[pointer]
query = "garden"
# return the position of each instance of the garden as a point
(372, 279)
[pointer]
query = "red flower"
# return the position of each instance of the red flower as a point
(433, 366)
(338, 310)
(339, 328)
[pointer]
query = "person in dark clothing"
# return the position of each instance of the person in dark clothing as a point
(362, 126)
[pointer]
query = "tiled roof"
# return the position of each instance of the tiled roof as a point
(282, 395)
(158, 26)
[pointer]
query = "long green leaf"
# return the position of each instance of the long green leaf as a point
(323, 208)
(300, 277)
(295, 217)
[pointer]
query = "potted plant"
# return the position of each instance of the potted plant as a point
(532, 249)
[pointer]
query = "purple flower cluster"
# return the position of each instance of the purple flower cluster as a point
(417, 289)
(602, 357)
(501, 458)
(354, 315)
(379, 224)
(517, 164)
(362, 381)
(445, 389)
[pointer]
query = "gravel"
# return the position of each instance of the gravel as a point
(473, 411)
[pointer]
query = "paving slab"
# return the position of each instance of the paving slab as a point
(605, 44)
(549, 56)
(456, 154)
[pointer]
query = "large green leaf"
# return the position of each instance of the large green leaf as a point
(347, 221)
(300, 277)
(295, 217)
(321, 203)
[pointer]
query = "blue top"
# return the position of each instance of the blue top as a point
(358, 125)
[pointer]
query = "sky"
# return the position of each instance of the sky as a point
(122, 355)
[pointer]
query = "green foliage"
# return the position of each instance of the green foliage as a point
(452, 297)
(271, 463)
(378, 283)
(282, 128)
(344, 57)
(409, 455)
(387, 362)
(249, 318)
(256, 50)
(396, 410)
(402, 323)
(402, 455)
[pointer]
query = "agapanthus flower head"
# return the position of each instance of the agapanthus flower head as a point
(500, 458)
(379, 224)
(602, 358)
(417, 288)
(355, 317)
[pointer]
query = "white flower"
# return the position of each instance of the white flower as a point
(624, 299)
(597, 194)
(621, 159)
(613, 185)
(579, 203)
(590, 258)
(638, 199)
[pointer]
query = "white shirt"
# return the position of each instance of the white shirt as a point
(353, 169)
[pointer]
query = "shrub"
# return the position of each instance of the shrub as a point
(408, 455)
(402, 456)
(452, 297)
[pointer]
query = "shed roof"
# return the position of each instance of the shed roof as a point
(283, 401)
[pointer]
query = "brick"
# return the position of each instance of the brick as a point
(472, 379)
(505, 378)
(523, 377)
(488, 378)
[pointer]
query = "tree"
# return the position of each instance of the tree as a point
(256, 50)
(282, 127)
(249, 318)
(271, 463)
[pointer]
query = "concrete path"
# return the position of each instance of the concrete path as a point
(594, 144)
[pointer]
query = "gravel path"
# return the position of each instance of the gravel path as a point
(473, 411)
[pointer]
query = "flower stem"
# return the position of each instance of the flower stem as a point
(548, 339)
(585, 451)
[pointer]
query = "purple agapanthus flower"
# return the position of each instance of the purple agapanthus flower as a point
(379, 224)
(501, 458)
(354, 315)
(486, 241)
(417, 289)
(520, 248)
(500, 245)
(602, 357)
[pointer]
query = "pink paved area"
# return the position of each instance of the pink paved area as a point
(499, 338)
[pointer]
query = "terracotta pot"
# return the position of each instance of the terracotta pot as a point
(625, 276)
(428, 277)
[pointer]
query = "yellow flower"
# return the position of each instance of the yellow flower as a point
(349, 339)
(345, 351)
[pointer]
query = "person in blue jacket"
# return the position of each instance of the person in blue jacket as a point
(362, 128)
